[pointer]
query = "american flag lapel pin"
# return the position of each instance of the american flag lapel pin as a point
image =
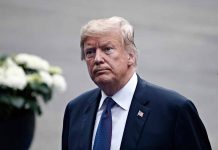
(140, 114)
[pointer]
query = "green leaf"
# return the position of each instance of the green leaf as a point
(18, 102)
(5, 99)
(2, 59)
(43, 90)
(34, 105)
(13, 100)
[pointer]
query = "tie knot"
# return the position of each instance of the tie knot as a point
(109, 102)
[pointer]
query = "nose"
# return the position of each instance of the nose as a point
(99, 58)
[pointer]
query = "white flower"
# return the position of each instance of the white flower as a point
(55, 70)
(34, 78)
(2, 76)
(10, 63)
(59, 82)
(22, 78)
(32, 61)
(13, 77)
(46, 78)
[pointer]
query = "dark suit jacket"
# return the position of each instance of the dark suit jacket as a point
(169, 122)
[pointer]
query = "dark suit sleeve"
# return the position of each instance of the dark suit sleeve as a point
(190, 133)
(65, 131)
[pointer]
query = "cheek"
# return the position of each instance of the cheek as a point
(89, 66)
(119, 66)
(121, 61)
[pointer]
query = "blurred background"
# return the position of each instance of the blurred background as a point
(177, 43)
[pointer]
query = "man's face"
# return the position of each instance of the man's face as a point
(109, 64)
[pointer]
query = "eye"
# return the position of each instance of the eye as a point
(108, 49)
(90, 52)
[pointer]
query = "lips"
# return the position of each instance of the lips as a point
(100, 70)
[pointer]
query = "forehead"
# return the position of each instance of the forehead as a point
(104, 38)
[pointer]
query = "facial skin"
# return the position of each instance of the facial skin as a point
(110, 66)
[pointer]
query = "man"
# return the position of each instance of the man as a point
(125, 112)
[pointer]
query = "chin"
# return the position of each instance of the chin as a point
(102, 80)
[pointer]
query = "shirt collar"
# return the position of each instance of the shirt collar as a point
(124, 96)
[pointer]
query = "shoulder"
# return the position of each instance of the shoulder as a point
(161, 99)
(161, 95)
(84, 98)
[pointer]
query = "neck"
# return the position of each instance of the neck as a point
(111, 88)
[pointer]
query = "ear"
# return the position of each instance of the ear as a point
(131, 58)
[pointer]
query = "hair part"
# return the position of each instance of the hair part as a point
(97, 28)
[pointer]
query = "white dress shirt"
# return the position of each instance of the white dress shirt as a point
(119, 112)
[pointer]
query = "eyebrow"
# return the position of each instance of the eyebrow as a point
(105, 43)
(89, 44)
(101, 44)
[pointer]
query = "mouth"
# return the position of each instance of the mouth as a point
(100, 71)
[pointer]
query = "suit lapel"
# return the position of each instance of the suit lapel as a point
(137, 117)
(88, 121)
